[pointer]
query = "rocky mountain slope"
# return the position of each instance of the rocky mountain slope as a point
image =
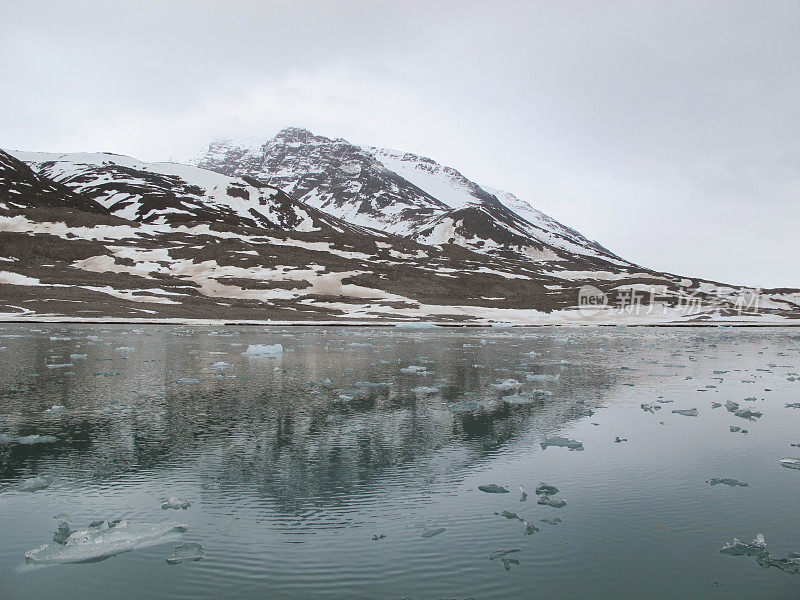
(309, 229)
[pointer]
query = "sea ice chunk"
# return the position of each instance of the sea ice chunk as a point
(432, 532)
(545, 489)
(34, 484)
(726, 481)
(104, 541)
(175, 503)
(686, 412)
(562, 442)
(758, 547)
(493, 488)
(258, 350)
(790, 463)
(182, 552)
(790, 564)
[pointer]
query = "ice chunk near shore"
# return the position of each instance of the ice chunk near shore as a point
(103, 541)
(175, 503)
(561, 442)
(790, 463)
(493, 488)
(181, 552)
(758, 547)
(34, 484)
(56, 409)
(686, 412)
(726, 481)
(263, 350)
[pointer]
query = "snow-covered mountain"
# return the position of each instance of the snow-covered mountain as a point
(304, 228)
(402, 193)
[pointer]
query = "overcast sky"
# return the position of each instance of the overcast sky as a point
(668, 131)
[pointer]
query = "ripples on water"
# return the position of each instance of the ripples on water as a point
(290, 481)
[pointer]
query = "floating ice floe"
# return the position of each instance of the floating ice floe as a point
(790, 564)
(715, 405)
(501, 553)
(190, 551)
(758, 547)
(790, 463)
(34, 484)
(415, 325)
(524, 492)
(686, 412)
(530, 528)
(175, 503)
(553, 521)
(103, 541)
(548, 501)
(463, 407)
(414, 370)
(425, 390)
(360, 345)
(732, 406)
(519, 399)
(542, 377)
(266, 350)
(493, 488)
(56, 409)
(188, 381)
(509, 515)
(649, 407)
(750, 415)
(432, 532)
(726, 481)
(506, 385)
(27, 440)
(561, 442)
(326, 383)
(545, 489)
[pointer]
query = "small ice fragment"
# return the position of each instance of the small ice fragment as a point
(732, 406)
(510, 515)
(507, 562)
(524, 492)
(542, 377)
(562, 442)
(790, 564)
(506, 385)
(715, 405)
(432, 532)
(27, 440)
(188, 380)
(793, 405)
(326, 383)
(687, 412)
(790, 463)
(619, 439)
(501, 553)
(258, 350)
(493, 488)
(553, 521)
(748, 414)
(463, 407)
(181, 552)
(360, 345)
(544, 489)
(530, 528)
(547, 501)
(56, 409)
(758, 547)
(425, 390)
(377, 537)
(34, 484)
(734, 428)
(726, 481)
(175, 503)
(414, 370)
(650, 407)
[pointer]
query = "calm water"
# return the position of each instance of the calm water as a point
(289, 481)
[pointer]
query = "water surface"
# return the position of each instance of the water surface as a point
(291, 475)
